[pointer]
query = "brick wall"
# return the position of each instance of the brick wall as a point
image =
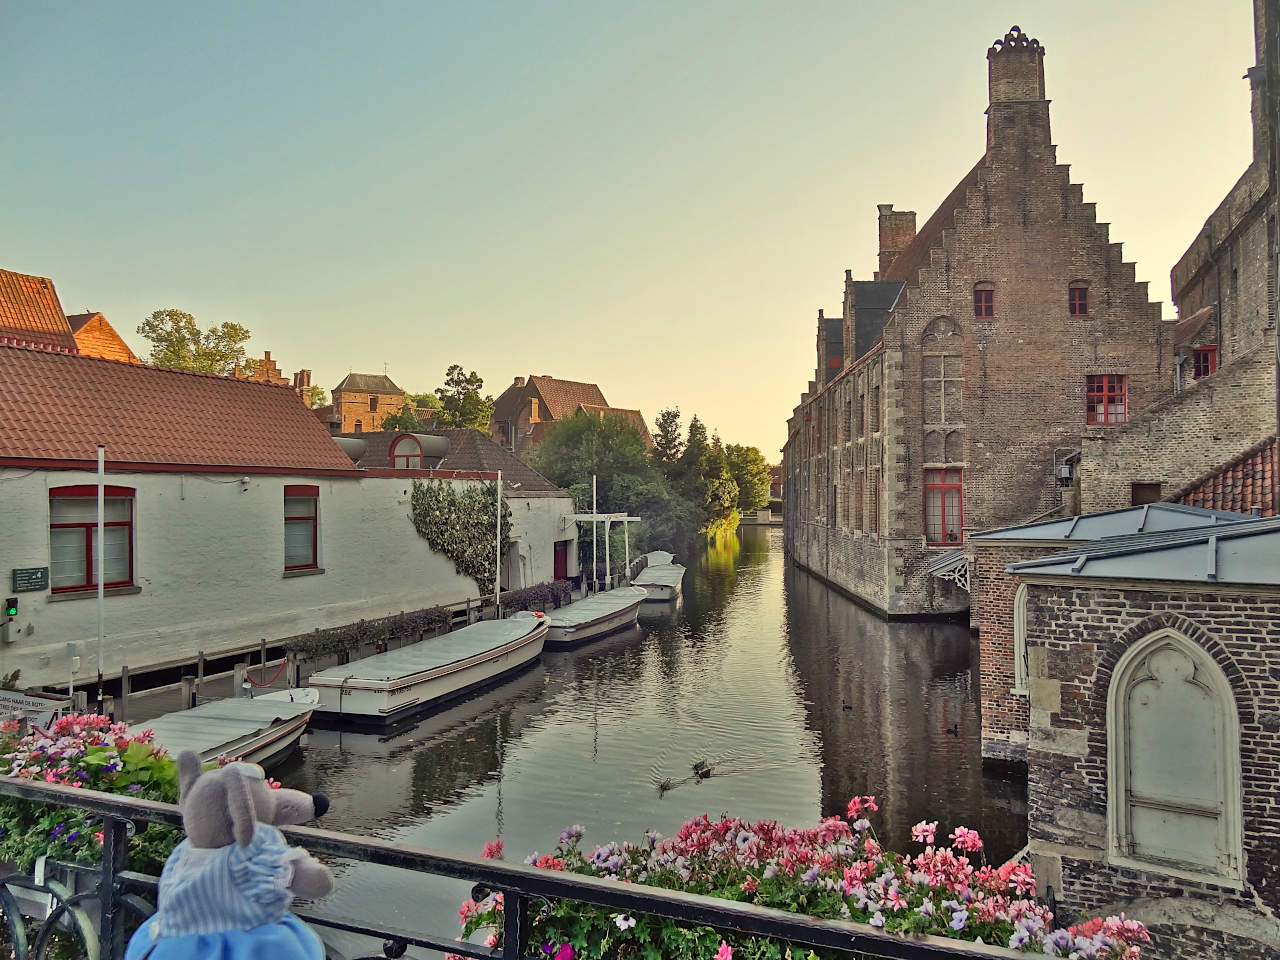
(1184, 437)
(1077, 634)
(352, 406)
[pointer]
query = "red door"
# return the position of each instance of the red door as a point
(562, 559)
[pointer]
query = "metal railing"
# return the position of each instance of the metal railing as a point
(122, 895)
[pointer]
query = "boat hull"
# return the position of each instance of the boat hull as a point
(382, 703)
(270, 750)
(566, 638)
(660, 592)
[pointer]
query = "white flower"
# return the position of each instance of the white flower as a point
(624, 921)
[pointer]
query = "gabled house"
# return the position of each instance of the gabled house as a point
(523, 411)
(31, 316)
(363, 400)
(95, 337)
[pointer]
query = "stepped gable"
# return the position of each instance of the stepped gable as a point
(59, 407)
(30, 314)
(908, 264)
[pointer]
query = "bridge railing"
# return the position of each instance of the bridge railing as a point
(117, 898)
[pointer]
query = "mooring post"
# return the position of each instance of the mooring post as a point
(262, 657)
(188, 692)
(291, 669)
(200, 674)
(237, 679)
(122, 710)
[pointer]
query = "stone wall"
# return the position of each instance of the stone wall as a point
(1184, 437)
(1077, 634)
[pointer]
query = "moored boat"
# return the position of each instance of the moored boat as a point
(662, 581)
(262, 730)
(594, 617)
(389, 687)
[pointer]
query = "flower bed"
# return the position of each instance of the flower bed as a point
(836, 870)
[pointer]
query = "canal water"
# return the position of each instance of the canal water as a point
(797, 699)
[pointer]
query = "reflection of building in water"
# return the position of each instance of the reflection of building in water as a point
(447, 754)
(896, 709)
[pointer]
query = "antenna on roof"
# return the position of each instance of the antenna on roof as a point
(384, 368)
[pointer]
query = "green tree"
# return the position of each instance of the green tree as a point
(687, 474)
(749, 470)
(319, 397)
(461, 402)
(178, 342)
(404, 420)
(667, 442)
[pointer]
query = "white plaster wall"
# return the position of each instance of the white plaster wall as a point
(209, 559)
(536, 523)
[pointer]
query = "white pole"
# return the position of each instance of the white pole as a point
(626, 542)
(497, 570)
(608, 570)
(593, 530)
(102, 544)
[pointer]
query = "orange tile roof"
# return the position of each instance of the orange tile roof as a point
(95, 337)
(1242, 483)
(59, 407)
(563, 397)
(30, 314)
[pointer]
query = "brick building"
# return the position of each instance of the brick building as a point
(31, 315)
(998, 335)
(95, 337)
(267, 370)
(1224, 345)
(1154, 696)
(999, 598)
(523, 411)
(361, 402)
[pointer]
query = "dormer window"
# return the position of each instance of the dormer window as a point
(984, 301)
(1078, 299)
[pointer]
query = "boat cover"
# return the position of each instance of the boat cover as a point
(210, 727)
(595, 607)
(439, 651)
(666, 575)
(660, 558)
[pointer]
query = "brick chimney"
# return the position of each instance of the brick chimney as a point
(897, 230)
(302, 386)
(518, 382)
(1018, 113)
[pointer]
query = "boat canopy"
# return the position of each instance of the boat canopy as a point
(209, 727)
(595, 607)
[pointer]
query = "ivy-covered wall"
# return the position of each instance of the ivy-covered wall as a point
(460, 524)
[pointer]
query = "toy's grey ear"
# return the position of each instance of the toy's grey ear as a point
(189, 767)
(239, 806)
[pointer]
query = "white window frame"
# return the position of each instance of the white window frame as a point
(1229, 838)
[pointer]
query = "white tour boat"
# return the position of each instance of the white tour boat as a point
(594, 617)
(388, 687)
(662, 578)
(262, 730)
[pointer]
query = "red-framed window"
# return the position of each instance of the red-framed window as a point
(1106, 399)
(1078, 299)
(406, 453)
(1204, 361)
(301, 526)
(984, 301)
(73, 537)
(943, 506)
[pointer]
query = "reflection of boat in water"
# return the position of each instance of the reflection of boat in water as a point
(392, 686)
(662, 578)
(378, 780)
(594, 617)
(261, 730)
(661, 611)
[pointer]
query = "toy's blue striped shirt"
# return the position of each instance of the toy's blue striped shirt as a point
(227, 888)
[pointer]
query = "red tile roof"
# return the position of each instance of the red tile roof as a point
(469, 450)
(563, 397)
(907, 265)
(1186, 328)
(1240, 484)
(58, 408)
(30, 314)
(95, 337)
(632, 417)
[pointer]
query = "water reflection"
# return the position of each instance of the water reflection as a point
(794, 698)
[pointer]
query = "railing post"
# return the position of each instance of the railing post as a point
(115, 847)
(515, 919)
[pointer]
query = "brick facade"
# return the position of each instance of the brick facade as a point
(1184, 437)
(362, 401)
(948, 390)
(1077, 634)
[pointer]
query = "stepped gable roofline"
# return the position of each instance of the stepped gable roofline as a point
(1246, 553)
(469, 451)
(30, 314)
(367, 383)
(1148, 518)
(59, 407)
(906, 267)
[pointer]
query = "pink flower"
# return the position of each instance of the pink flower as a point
(564, 953)
(493, 850)
(924, 831)
(725, 952)
(966, 839)
(491, 941)
(750, 885)
(859, 805)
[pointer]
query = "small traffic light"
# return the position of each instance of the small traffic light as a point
(11, 607)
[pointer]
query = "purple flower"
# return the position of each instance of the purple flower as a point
(959, 919)
(878, 920)
(56, 832)
(810, 876)
(135, 787)
(570, 834)
(926, 909)
(770, 871)
(71, 837)
(532, 858)
(624, 921)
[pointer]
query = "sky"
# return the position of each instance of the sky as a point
(657, 197)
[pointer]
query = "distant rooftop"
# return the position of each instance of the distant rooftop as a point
(367, 383)
(1149, 518)
(30, 314)
(1246, 552)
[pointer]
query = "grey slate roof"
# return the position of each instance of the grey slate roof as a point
(1245, 552)
(873, 300)
(367, 383)
(469, 449)
(1151, 517)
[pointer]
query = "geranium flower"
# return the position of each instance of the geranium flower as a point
(624, 921)
(493, 850)
(725, 952)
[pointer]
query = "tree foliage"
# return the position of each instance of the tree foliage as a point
(667, 442)
(461, 402)
(750, 471)
(461, 525)
(319, 397)
(178, 342)
(404, 420)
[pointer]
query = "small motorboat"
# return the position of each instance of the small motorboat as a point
(597, 616)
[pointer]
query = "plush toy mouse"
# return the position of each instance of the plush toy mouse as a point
(225, 890)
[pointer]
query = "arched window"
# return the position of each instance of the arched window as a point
(359, 426)
(1174, 760)
(1020, 670)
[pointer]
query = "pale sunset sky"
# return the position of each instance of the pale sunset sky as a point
(654, 196)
